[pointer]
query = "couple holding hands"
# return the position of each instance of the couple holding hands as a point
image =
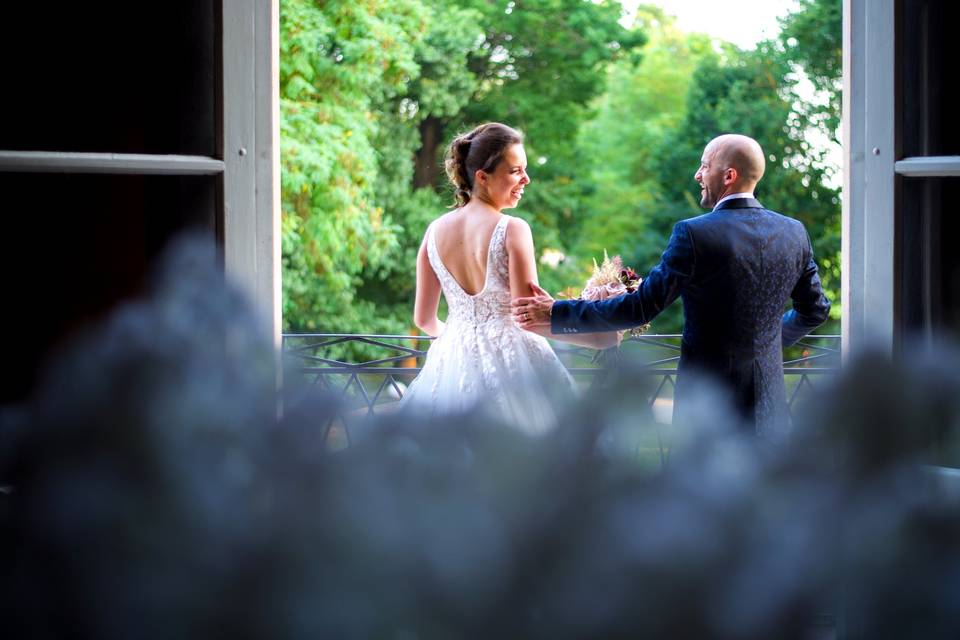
(735, 268)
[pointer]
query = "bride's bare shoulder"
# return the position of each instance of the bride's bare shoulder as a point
(444, 218)
(518, 235)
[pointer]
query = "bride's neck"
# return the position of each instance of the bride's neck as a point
(484, 203)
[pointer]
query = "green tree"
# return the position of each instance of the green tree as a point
(541, 65)
(643, 105)
(533, 64)
(744, 92)
(812, 41)
(443, 86)
(652, 123)
(371, 92)
(338, 60)
(618, 150)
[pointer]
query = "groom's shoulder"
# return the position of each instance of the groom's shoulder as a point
(785, 220)
(696, 221)
(711, 221)
(777, 214)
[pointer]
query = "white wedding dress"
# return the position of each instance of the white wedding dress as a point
(482, 361)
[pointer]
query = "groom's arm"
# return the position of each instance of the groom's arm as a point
(810, 306)
(660, 288)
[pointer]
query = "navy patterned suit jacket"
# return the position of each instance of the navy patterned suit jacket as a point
(735, 268)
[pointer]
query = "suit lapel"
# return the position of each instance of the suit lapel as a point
(739, 203)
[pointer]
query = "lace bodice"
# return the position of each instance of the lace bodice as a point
(492, 303)
(482, 360)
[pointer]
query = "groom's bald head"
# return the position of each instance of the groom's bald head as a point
(731, 163)
(742, 153)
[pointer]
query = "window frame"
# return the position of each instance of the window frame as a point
(874, 167)
(248, 149)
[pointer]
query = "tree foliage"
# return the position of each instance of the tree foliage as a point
(813, 41)
(339, 61)
(381, 83)
(372, 91)
(654, 120)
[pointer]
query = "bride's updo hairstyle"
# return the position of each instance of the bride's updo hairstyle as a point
(482, 148)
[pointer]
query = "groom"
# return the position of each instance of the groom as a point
(735, 268)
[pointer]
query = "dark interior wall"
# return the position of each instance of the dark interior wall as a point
(927, 32)
(97, 77)
(127, 77)
(76, 245)
(928, 262)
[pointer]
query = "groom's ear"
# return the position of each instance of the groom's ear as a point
(730, 175)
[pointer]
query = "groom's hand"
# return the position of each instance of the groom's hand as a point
(533, 311)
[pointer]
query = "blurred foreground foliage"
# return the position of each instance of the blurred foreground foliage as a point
(151, 491)
(615, 118)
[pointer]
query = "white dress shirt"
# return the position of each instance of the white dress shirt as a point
(745, 194)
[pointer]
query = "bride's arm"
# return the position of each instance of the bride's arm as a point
(428, 295)
(523, 273)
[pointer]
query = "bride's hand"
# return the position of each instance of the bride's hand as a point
(534, 310)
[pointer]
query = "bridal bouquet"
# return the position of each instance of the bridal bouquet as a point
(610, 279)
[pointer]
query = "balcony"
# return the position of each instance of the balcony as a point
(369, 374)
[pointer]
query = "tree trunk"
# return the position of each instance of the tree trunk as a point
(426, 173)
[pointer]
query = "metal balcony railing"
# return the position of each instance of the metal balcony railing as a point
(371, 372)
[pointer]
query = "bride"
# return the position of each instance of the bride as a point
(480, 258)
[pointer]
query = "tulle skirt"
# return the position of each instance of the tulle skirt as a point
(496, 368)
